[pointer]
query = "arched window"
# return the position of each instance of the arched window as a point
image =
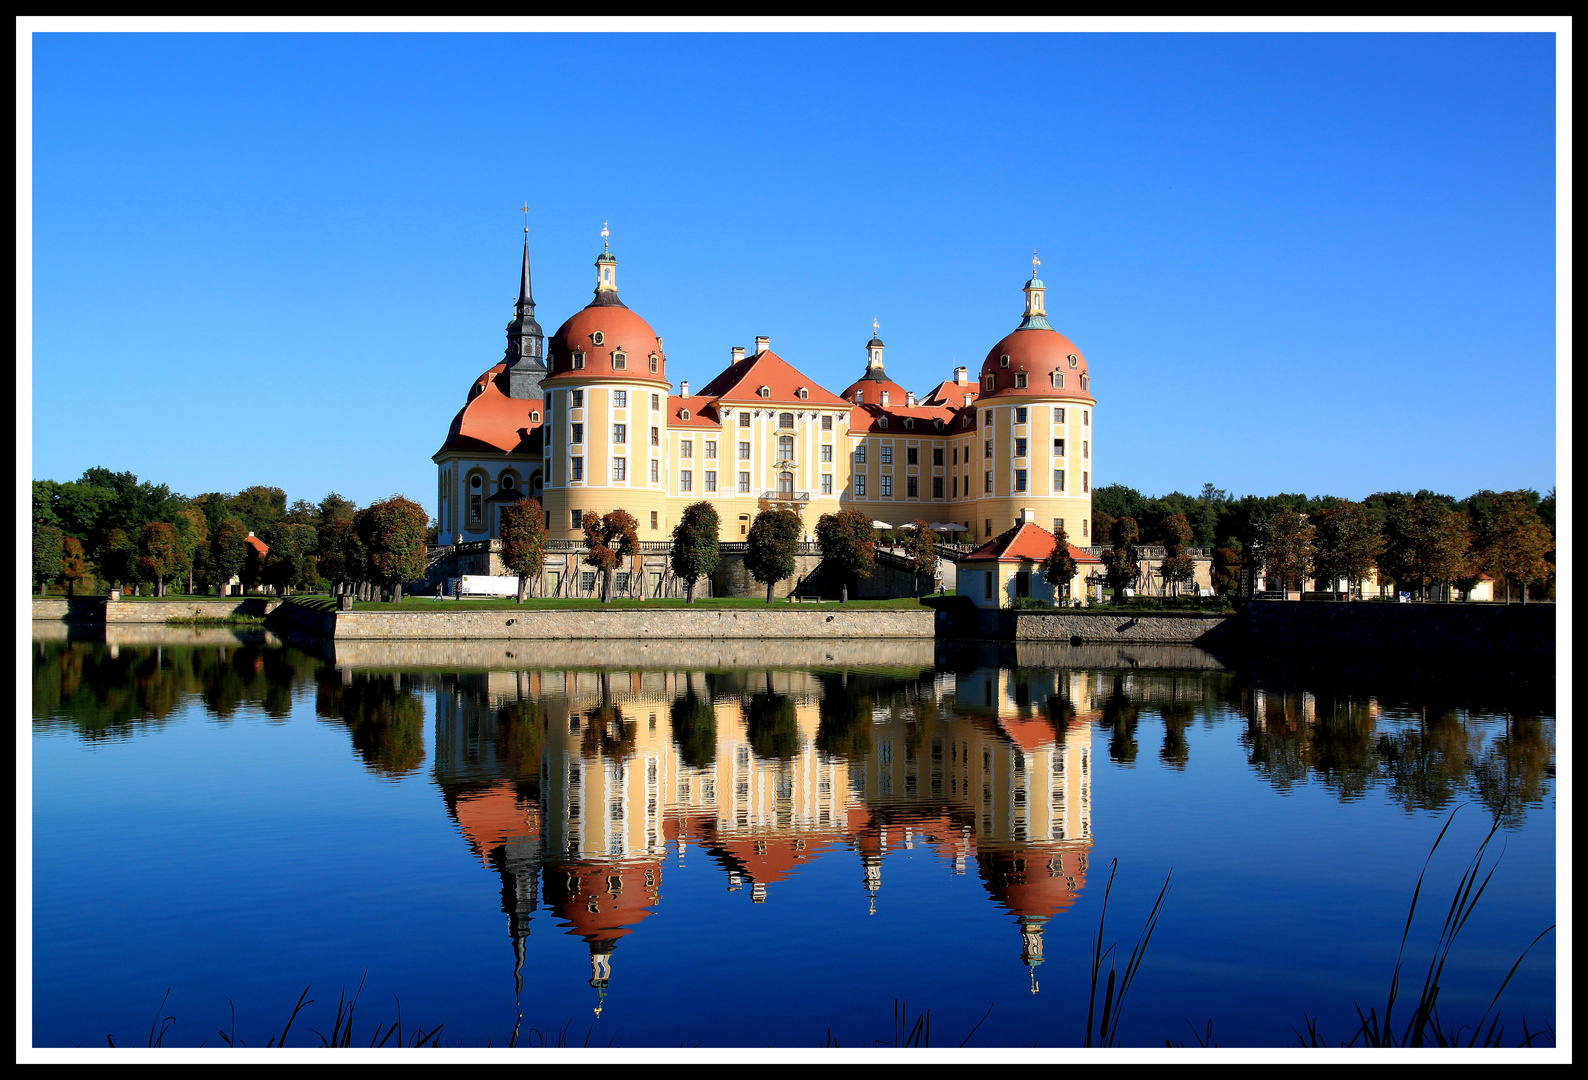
(785, 420)
(882, 421)
(534, 416)
(765, 391)
(1057, 379)
(683, 414)
(804, 394)
(655, 362)
(476, 498)
(620, 361)
(986, 382)
(909, 423)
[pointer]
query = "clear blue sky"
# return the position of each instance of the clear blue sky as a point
(1320, 263)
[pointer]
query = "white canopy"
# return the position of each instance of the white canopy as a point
(882, 524)
(940, 526)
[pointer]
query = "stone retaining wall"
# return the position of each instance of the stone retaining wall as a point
(696, 655)
(99, 609)
(1169, 628)
(660, 625)
(1503, 629)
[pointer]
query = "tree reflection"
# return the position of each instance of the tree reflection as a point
(1177, 716)
(694, 724)
(1120, 717)
(773, 730)
(385, 717)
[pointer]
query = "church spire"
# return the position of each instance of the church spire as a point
(1036, 313)
(525, 356)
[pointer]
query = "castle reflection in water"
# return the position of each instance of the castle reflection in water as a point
(574, 786)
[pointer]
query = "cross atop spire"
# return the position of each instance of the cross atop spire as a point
(1035, 262)
(604, 234)
(525, 210)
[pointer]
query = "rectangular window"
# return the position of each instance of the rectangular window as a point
(912, 486)
(1086, 449)
(744, 419)
(887, 453)
(578, 433)
(860, 453)
(987, 531)
(744, 481)
(987, 418)
(887, 486)
(986, 451)
(1020, 384)
(620, 399)
(655, 465)
(785, 448)
(1086, 483)
(1020, 448)
(827, 451)
(587, 581)
(987, 482)
(578, 360)
(1058, 527)
(656, 436)
(620, 468)
(937, 487)
(711, 480)
(653, 519)
(744, 451)
(860, 484)
(1020, 416)
(912, 456)
(655, 400)
(987, 578)
(686, 480)
(1058, 479)
(620, 361)
(956, 455)
(1058, 416)
(576, 468)
(578, 399)
(827, 423)
(1020, 479)
(620, 433)
(1058, 447)
(1086, 417)
(956, 487)
(577, 517)
(827, 483)
(686, 448)
(937, 455)
(475, 507)
(711, 449)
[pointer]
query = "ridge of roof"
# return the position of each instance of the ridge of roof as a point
(772, 371)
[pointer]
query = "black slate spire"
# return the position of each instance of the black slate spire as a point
(525, 357)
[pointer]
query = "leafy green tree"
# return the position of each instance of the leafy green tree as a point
(192, 535)
(74, 563)
(1058, 569)
(769, 552)
(119, 559)
(340, 553)
(1425, 541)
(1284, 544)
(259, 506)
(1517, 545)
(133, 505)
(1345, 544)
(1227, 565)
(213, 506)
(283, 563)
(695, 544)
(524, 541)
(847, 543)
(920, 548)
(609, 539)
(1123, 558)
(48, 554)
(1177, 566)
(158, 554)
(228, 551)
(336, 509)
(45, 493)
(393, 535)
(82, 510)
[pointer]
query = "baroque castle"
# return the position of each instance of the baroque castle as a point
(590, 423)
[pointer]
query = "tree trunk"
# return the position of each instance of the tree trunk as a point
(769, 591)
(606, 586)
(691, 590)
(844, 595)
(397, 592)
(523, 587)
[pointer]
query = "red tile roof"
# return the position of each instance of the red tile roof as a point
(950, 393)
(741, 383)
(703, 412)
(621, 330)
(1024, 542)
(492, 422)
(1038, 353)
(863, 418)
(257, 544)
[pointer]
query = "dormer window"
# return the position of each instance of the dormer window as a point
(765, 391)
(620, 361)
(534, 416)
(965, 420)
(1020, 380)
(598, 337)
(909, 423)
(1085, 380)
(882, 421)
(804, 394)
(987, 383)
(655, 363)
(683, 414)
(578, 360)
(1057, 379)
(1003, 361)
(860, 397)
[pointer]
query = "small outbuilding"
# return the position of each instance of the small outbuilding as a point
(1008, 568)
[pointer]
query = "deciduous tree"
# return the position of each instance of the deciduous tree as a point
(118, 563)
(848, 544)
(611, 539)
(524, 541)
(74, 563)
(920, 548)
(1124, 557)
(1284, 544)
(1058, 569)
(393, 534)
(192, 533)
(695, 540)
(769, 552)
(1425, 541)
(1518, 545)
(228, 547)
(1345, 544)
(1176, 566)
(48, 553)
(158, 554)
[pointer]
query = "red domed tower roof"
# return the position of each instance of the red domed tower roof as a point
(493, 423)
(1046, 361)
(604, 334)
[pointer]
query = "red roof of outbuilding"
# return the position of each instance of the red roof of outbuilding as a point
(257, 544)
(1024, 542)
(741, 383)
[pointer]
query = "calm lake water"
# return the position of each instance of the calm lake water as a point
(718, 844)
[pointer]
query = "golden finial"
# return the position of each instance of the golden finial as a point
(1035, 262)
(525, 210)
(874, 328)
(604, 235)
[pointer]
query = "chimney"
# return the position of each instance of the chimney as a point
(884, 397)
(762, 344)
(968, 400)
(960, 375)
(909, 399)
(683, 388)
(1027, 515)
(738, 353)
